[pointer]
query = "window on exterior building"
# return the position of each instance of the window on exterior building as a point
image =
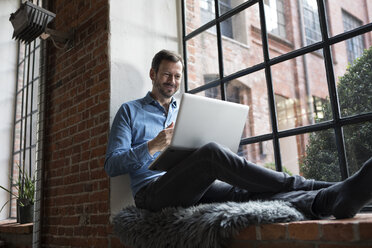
(226, 26)
(212, 92)
(318, 104)
(311, 22)
(287, 86)
(285, 109)
(207, 8)
(275, 17)
(355, 45)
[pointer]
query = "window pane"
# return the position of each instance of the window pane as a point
(29, 92)
(19, 105)
(27, 131)
(290, 154)
(358, 145)
(33, 161)
(37, 63)
(291, 25)
(353, 80)
(31, 61)
(261, 153)
(295, 90)
(251, 90)
(225, 6)
(214, 92)
(316, 155)
(24, 74)
(227, 28)
(34, 128)
(17, 137)
(202, 59)
(35, 87)
(20, 76)
(198, 13)
(238, 92)
(244, 48)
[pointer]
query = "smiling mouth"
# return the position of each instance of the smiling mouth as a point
(169, 86)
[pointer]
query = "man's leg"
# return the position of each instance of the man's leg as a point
(342, 200)
(222, 192)
(187, 182)
(345, 199)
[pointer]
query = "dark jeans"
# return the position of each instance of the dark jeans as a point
(215, 174)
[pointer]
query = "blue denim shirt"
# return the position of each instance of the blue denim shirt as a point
(136, 123)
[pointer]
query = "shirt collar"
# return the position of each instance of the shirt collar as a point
(148, 100)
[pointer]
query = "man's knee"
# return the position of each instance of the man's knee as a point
(211, 148)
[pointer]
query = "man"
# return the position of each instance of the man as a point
(144, 127)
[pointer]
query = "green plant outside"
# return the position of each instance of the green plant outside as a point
(355, 97)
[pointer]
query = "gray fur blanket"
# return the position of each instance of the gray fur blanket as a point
(205, 225)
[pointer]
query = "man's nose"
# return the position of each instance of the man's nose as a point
(172, 79)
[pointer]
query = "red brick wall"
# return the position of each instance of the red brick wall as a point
(355, 232)
(76, 188)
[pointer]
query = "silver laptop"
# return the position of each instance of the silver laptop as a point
(202, 120)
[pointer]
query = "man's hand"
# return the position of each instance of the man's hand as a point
(161, 141)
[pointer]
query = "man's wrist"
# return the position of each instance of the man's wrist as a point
(151, 148)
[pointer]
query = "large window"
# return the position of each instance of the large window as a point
(26, 113)
(304, 107)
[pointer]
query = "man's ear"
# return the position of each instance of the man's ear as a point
(152, 74)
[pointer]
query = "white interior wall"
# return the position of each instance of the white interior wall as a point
(138, 30)
(8, 55)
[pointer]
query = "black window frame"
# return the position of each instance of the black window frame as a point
(337, 123)
(26, 112)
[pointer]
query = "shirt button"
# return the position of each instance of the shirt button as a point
(163, 114)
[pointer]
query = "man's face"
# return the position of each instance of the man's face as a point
(167, 80)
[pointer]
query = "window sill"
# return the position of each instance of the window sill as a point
(11, 226)
(355, 232)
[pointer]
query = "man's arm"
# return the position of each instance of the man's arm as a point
(121, 157)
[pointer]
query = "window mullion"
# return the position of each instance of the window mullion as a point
(270, 88)
(219, 48)
(184, 44)
(333, 91)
